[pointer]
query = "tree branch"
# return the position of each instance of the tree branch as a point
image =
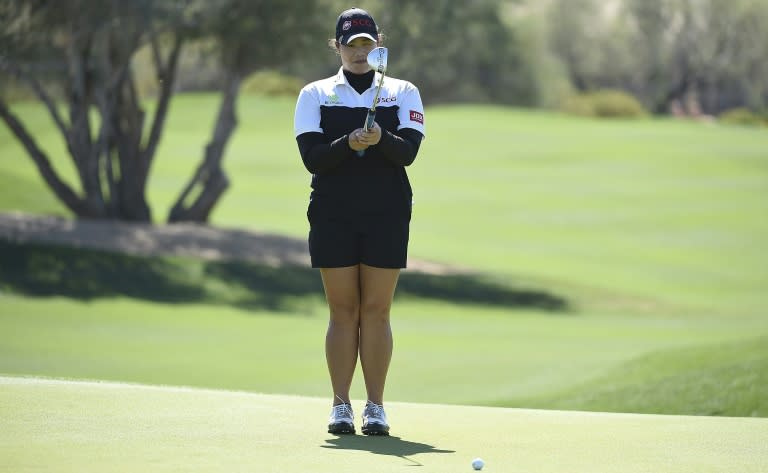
(209, 174)
(38, 89)
(167, 76)
(60, 188)
(101, 149)
(80, 133)
(76, 69)
(156, 57)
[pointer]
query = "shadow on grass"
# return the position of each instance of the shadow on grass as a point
(476, 289)
(41, 270)
(392, 446)
(45, 270)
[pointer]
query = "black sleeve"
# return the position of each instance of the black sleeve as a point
(320, 156)
(401, 147)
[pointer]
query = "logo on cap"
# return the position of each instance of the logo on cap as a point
(355, 22)
(362, 22)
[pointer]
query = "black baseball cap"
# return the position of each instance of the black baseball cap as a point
(355, 23)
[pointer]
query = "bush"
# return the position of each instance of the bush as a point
(580, 105)
(604, 104)
(272, 83)
(741, 116)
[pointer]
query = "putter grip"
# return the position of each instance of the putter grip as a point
(368, 125)
(369, 119)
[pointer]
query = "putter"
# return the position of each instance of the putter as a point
(377, 59)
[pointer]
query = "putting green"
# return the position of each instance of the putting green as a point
(62, 426)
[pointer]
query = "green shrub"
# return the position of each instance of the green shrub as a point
(579, 105)
(271, 83)
(604, 104)
(741, 116)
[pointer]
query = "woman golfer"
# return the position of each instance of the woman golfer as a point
(359, 210)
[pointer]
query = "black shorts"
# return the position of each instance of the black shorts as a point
(379, 243)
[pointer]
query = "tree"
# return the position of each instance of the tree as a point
(457, 51)
(250, 34)
(573, 26)
(84, 49)
(708, 51)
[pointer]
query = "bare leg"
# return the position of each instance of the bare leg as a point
(342, 291)
(377, 289)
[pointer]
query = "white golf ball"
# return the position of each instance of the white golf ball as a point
(478, 463)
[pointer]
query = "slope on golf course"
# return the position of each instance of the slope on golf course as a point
(62, 426)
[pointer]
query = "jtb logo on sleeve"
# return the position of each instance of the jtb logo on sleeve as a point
(417, 117)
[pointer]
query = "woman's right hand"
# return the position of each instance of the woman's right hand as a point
(354, 140)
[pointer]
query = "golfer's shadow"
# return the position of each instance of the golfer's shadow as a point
(394, 446)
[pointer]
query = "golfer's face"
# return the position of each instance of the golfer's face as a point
(354, 56)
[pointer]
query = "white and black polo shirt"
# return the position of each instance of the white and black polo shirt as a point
(376, 183)
(332, 107)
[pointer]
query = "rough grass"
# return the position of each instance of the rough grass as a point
(703, 380)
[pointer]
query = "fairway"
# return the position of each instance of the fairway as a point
(500, 356)
(548, 255)
(650, 234)
(63, 426)
(614, 267)
(670, 211)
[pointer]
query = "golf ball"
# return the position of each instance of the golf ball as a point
(478, 463)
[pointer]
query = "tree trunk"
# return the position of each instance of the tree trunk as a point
(128, 121)
(79, 48)
(209, 177)
(133, 160)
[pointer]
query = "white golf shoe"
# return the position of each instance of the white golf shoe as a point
(342, 420)
(375, 420)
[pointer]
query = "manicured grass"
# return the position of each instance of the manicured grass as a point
(75, 426)
(652, 233)
(96, 315)
(668, 210)
(673, 211)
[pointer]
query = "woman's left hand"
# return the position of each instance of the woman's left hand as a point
(370, 137)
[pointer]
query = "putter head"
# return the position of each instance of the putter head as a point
(377, 59)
